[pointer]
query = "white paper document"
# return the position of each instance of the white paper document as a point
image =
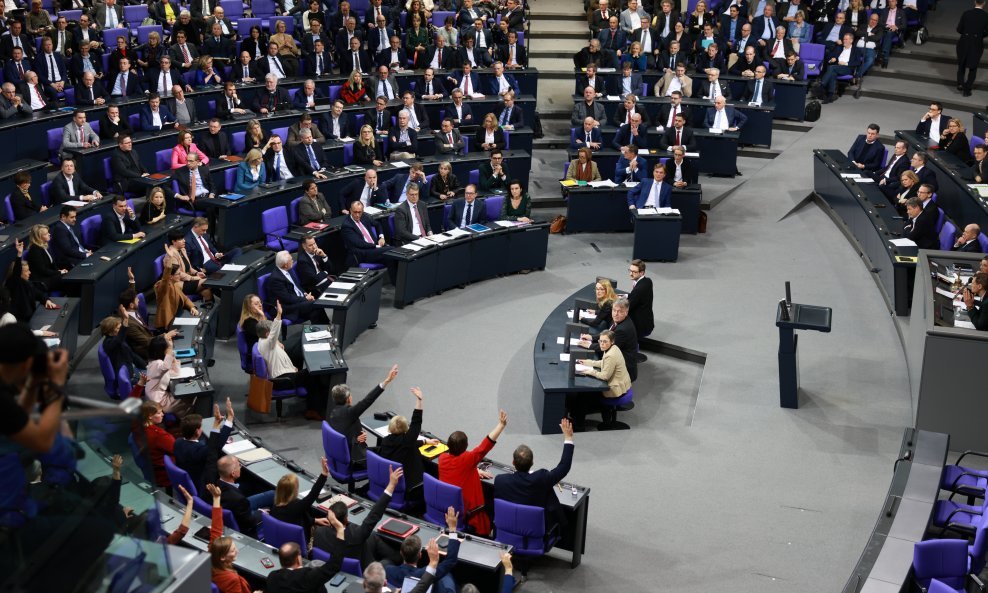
(631, 184)
(421, 242)
(191, 321)
(946, 293)
(345, 139)
(238, 447)
(343, 285)
(399, 164)
(253, 455)
(186, 372)
(850, 176)
(572, 341)
(504, 223)
(903, 242)
(963, 324)
(602, 183)
(320, 347)
(233, 268)
(333, 296)
(412, 247)
(580, 368)
(864, 180)
(613, 98)
(319, 335)
(440, 238)
(76, 203)
(564, 356)
(372, 210)
(457, 232)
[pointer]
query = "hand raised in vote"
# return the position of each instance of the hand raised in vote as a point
(452, 518)
(217, 416)
(229, 410)
(567, 427)
(393, 476)
(325, 467)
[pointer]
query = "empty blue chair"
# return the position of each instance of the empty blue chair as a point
(812, 56)
(135, 13)
(943, 559)
(134, 121)
(493, 205)
(293, 211)
(523, 527)
(948, 234)
(54, 145)
(274, 224)
(334, 93)
(109, 373)
(610, 407)
(163, 160)
(282, 133)
(9, 209)
(474, 177)
(124, 386)
(263, 8)
(278, 395)
(70, 15)
(337, 451)
(348, 153)
(983, 242)
(237, 141)
(89, 228)
(439, 496)
(142, 307)
(379, 475)
(232, 9)
(278, 532)
(230, 178)
(941, 218)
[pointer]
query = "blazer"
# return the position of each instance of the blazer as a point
(109, 130)
(582, 111)
(300, 101)
(688, 171)
(70, 135)
(637, 196)
(761, 23)
(126, 164)
(43, 269)
(449, 57)
(134, 86)
(190, 105)
(478, 214)
(521, 54)
(621, 170)
(535, 488)
(481, 135)
(41, 67)
(182, 176)
(237, 73)
(869, 155)
(624, 137)
(192, 456)
(110, 228)
(466, 114)
(193, 249)
(613, 371)
(625, 338)
(309, 578)
(23, 206)
(665, 110)
(768, 91)
(978, 169)
(612, 40)
(959, 146)
(278, 100)
(662, 87)
(311, 275)
(214, 145)
(481, 58)
(366, 155)
(797, 70)
(898, 167)
(403, 222)
(352, 237)
(355, 536)
(404, 449)
(444, 147)
(233, 500)
(573, 164)
(926, 175)
(59, 190)
(147, 122)
(835, 51)
(438, 88)
(579, 138)
(456, 78)
(395, 145)
(7, 46)
(701, 88)
(310, 63)
(175, 52)
(87, 96)
(513, 118)
(294, 136)
(10, 73)
(300, 154)
(345, 60)
(314, 211)
(735, 117)
(66, 245)
(7, 109)
(599, 84)
(346, 421)
(686, 137)
(923, 229)
(244, 183)
(493, 86)
(281, 290)
(640, 306)
(224, 48)
(972, 246)
(617, 86)
(223, 110)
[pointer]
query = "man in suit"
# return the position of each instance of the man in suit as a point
(459, 112)
(925, 174)
(510, 117)
(194, 181)
(120, 224)
(313, 267)
(309, 157)
(650, 41)
(651, 193)
(183, 109)
(893, 18)
(888, 177)
(632, 133)
(669, 111)
(428, 88)
(934, 122)
(467, 210)
(600, 18)
(15, 37)
(353, 58)
(318, 62)
(272, 99)
(161, 79)
(744, 40)
(922, 224)
(418, 119)
(244, 71)
(229, 104)
(469, 53)
(640, 301)
(305, 97)
(979, 170)
(536, 488)
(626, 83)
(16, 67)
(284, 287)
(675, 82)
(13, 104)
(126, 83)
(680, 171)
(630, 166)
(220, 47)
(482, 37)
(183, 52)
(393, 56)
(202, 253)
(867, 152)
(513, 15)
(219, 18)
(294, 576)
(440, 57)
(193, 451)
(588, 108)
(588, 136)
(711, 87)
(466, 80)
(90, 92)
(41, 96)
(50, 66)
(513, 55)
(789, 69)
(591, 79)
(344, 418)
(361, 238)
(831, 35)
(214, 142)
(678, 135)
(760, 89)
(448, 139)
(109, 15)
(411, 218)
(501, 83)
(763, 27)
(403, 140)
(967, 242)
(338, 124)
(69, 186)
(629, 108)
(66, 245)
(382, 84)
(778, 46)
(77, 134)
(367, 191)
(271, 64)
(61, 37)
(136, 332)
(314, 35)
(625, 336)
(245, 508)
(730, 27)
(126, 166)
(155, 116)
(612, 39)
(725, 118)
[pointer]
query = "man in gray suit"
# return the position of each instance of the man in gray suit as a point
(12, 104)
(448, 139)
(109, 15)
(588, 107)
(632, 17)
(77, 134)
(183, 110)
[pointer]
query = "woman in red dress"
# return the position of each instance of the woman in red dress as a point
(459, 468)
(159, 441)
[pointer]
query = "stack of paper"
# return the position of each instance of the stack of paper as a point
(191, 321)
(381, 431)
(582, 368)
(318, 335)
(399, 164)
(981, 188)
(572, 341)
(346, 139)
(238, 447)
(603, 183)
(457, 232)
(903, 242)
(412, 247)
(667, 211)
(76, 203)
(186, 372)
(342, 285)
(421, 242)
(319, 347)
(372, 210)
(233, 268)
(504, 223)
(631, 184)
(440, 238)
(258, 454)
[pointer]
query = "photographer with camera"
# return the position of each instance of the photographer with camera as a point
(30, 375)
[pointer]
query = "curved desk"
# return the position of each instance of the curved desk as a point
(553, 378)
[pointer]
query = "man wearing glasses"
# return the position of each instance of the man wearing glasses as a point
(280, 164)
(922, 224)
(640, 302)
(12, 104)
(494, 175)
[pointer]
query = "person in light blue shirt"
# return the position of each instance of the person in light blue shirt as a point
(251, 172)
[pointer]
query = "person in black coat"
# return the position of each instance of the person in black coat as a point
(922, 224)
(294, 576)
(678, 135)
(924, 172)
(684, 167)
(312, 267)
(458, 212)
(898, 163)
(41, 261)
(972, 28)
(214, 142)
(90, 92)
(867, 152)
(355, 242)
(640, 299)
(289, 508)
(345, 416)
(67, 179)
(537, 488)
(126, 166)
(66, 244)
(193, 451)
(284, 287)
(272, 98)
(21, 201)
(402, 446)
(303, 160)
(968, 242)
(112, 129)
(233, 499)
(625, 336)
(977, 310)
(357, 540)
(954, 141)
(120, 224)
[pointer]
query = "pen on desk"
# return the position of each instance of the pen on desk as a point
(559, 487)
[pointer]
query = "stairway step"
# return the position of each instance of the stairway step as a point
(545, 15)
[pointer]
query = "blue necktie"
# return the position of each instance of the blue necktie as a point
(312, 158)
(468, 214)
(277, 166)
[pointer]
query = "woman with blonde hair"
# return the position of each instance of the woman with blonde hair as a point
(353, 90)
(489, 136)
(582, 168)
(205, 73)
(367, 151)
(155, 207)
(402, 446)
(288, 51)
(954, 140)
(254, 136)
(289, 508)
(251, 313)
(251, 172)
(40, 260)
(605, 296)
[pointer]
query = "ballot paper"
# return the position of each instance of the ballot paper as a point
(342, 285)
(76, 203)
(582, 368)
(381, 431)
(945, 293)
(903, 242)
(399, 164)
(963, 324)
(504, 223)
(333, 296)
(412, 247)
(850, 176)
(233, 268)
(602, 183)
(716, 131)
(564, 356)
(186, 372)
(572, 341)
(192, 321)
(667, 211)
(692, 155)
(318, 335)
(258, 454)
(981, 188)
(440, 238)
(372, 210)
(631, 184)
(421, 242)
(864, 180)
(320, 347)
(647, 211)
(457, 232)
(613, 98)
(238, 447)
(347, 140)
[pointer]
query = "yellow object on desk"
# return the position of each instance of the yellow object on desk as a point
(130, 241)
(432, 451)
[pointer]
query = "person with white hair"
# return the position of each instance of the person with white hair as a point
(285, 288)
(404, 140)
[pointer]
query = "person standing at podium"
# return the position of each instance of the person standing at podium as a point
(977, 311)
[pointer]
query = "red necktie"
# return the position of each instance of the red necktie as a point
(450, 138)
(38, 92)
(81, 140)
(775, 48)
(466, 85)
(205, 246)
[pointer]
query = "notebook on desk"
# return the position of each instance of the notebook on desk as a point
(398, 528)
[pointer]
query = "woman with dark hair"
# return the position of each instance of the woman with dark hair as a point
(517, 205)
(459, 468)
(21, 201)
(256, 43)
(289, 508)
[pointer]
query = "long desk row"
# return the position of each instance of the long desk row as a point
(605, 209)
(870, 220)
(718, 155)
(27, 133)
(959, 201)
(886, 561)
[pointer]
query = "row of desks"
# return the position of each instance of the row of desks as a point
(605, 209)
(718, 155)
(870, 220)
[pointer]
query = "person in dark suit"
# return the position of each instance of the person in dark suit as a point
(593, 80)
(50, 66)
(125, 83)
(888, 177)
(206, 257)
(41, 261)
(233, 499)
(345, 416)
(272, 99)
(155, 116)
(979, 170)
(354, 58)
(21, 202)
(313, 267)
(513, 54)
(680, 171)
(193, 451)
(640, 300)
(790, 68)
(410, 225)
(669, 111)
(467, 210)
(841, 60)
(625, 336)
(245, 70)
(922, 224)
(678, 135)
(448, 139)
(968, 242)
(509, 116)
(285, 288)
(126, 166)
(214, 142)
(309, 157)
(760, 90)
(120, 224)
(293, 576)
(460, 112)
(972, 29)
(31, 88)
(867, 152)
(13, 104)
(193, 169)
(630, 167)
(925, 173)
(229, 105)
(977, 310)
(934, 123)
(361, 238)
(66, 244)
(318, 62)
(536, 488)
(7, 42)
(588, 136)
(16, 67)
(403, 140)
(90, 91)
(633, 133)
(67, 185)
(652, 193)
(732, 120)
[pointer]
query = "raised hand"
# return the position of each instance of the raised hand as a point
(391, 375)
(452, 518)
(325, 467)
(215, 492)
(394, 476)
(217, 416)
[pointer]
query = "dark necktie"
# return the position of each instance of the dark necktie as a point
(469, 215)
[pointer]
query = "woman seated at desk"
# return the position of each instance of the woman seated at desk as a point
(634, 55)
(155, 208)
(157, 442)
(954, 140)
(162, 368)
(459, 468)
(39, 259)
(582, 168)
(605, 297)
(909, 184)
(367, 151)
(168, 290)
(21, 202)
(353, 90)
(313, 206)
(254, 137)
(489, 136)
(517, 205)
(251, 313)
(444, 185)
(289, 508)
(251, 172)
(24, 297)
(205, 74)
(611, 370)
(185, 146)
